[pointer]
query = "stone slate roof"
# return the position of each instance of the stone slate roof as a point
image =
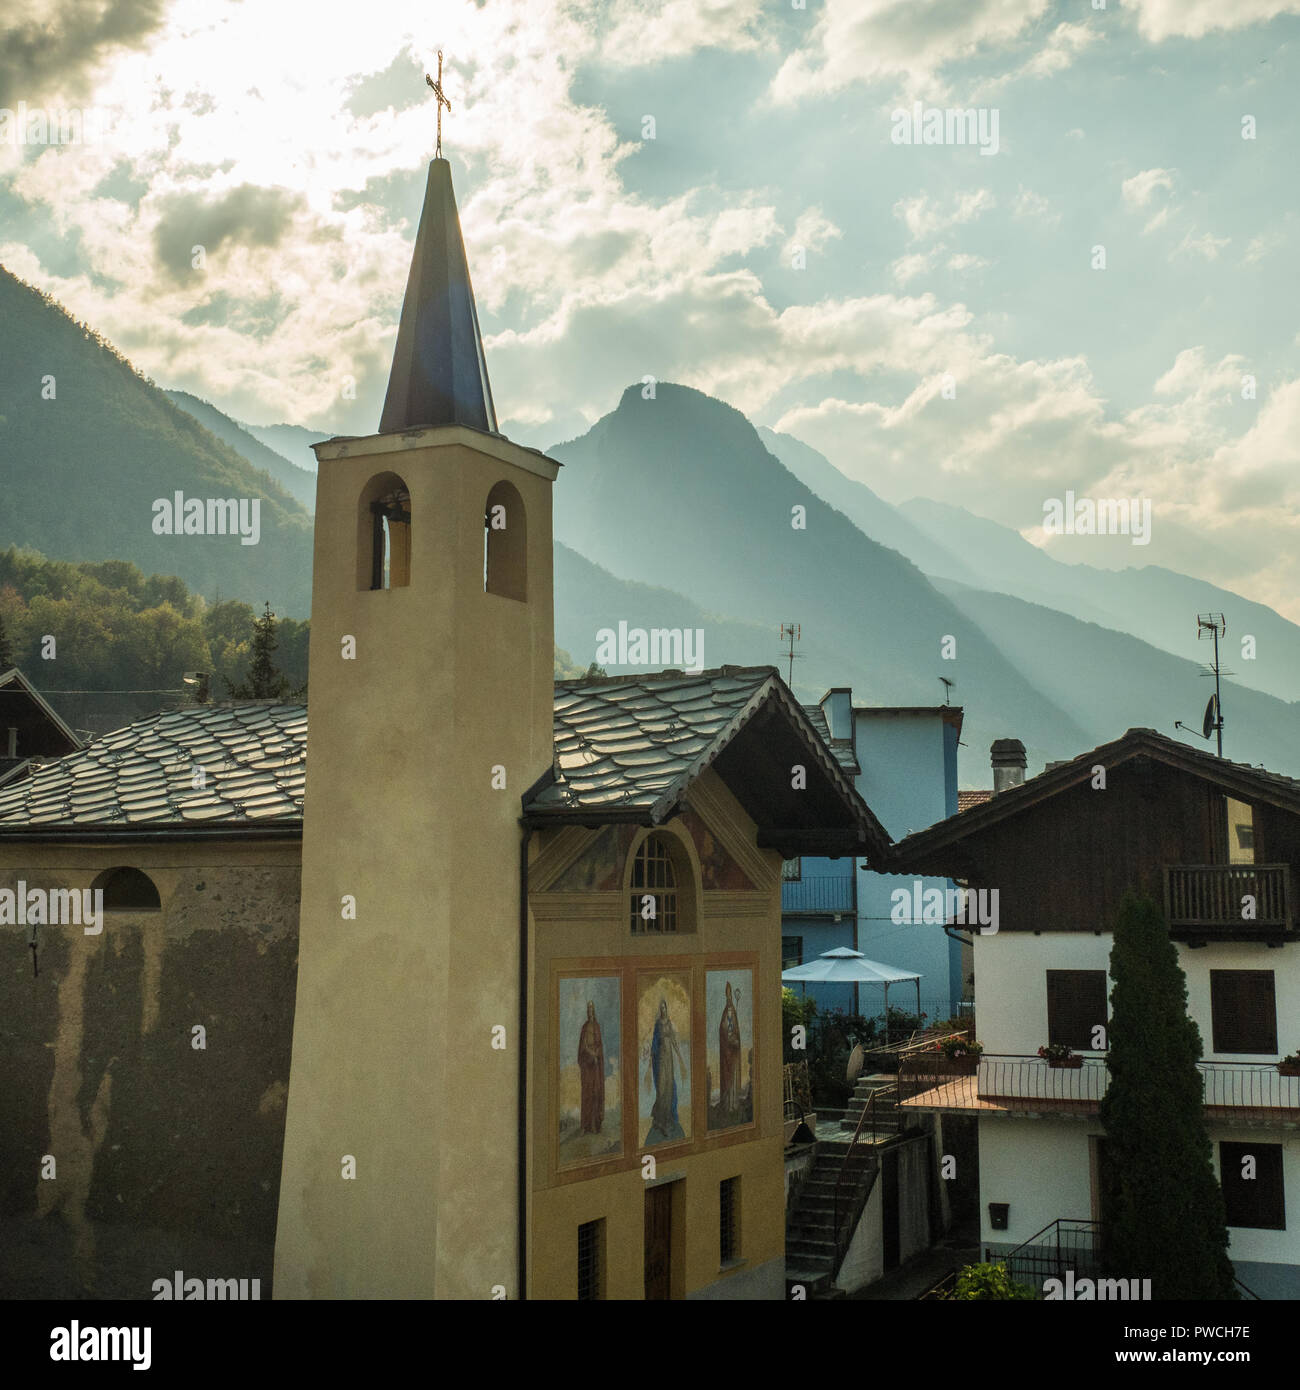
(841, 747)
(626, 745)
(253, 757)
(627, 741)
(629, 746)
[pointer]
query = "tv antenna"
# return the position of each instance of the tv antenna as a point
(1211, 626)
(791, 633)
(947, 687)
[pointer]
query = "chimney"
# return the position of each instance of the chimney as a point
(837, 706)
(1008, 758)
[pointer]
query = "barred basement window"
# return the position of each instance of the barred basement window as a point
(654, 881)
(729, 1223)
(590, 1272)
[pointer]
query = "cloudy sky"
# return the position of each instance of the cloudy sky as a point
(771, 244)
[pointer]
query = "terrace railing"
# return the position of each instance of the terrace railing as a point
(1234, 1092)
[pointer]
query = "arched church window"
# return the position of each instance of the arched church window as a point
(385, 530)
(653, 892)
(127, 890)
(505, 543)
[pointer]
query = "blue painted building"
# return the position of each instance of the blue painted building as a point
(904, 764)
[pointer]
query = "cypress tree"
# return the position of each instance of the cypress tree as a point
(265, 681)
(1162, 1207)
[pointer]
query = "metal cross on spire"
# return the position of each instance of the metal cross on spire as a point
(442, 101)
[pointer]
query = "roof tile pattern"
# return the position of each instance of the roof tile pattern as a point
(623, 742)
(253, 756)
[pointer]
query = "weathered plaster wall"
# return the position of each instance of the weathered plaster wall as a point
(165, 1155)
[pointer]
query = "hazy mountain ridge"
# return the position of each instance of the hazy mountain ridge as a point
(680, 490)
(297, 482)
(79, 472)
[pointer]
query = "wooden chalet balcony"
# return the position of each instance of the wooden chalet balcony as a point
(1236, 1093)
(1203, 902)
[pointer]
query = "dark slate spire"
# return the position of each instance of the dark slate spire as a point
(439, 376)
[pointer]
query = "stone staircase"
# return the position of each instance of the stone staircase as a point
(810, 1223)
(886, 1119)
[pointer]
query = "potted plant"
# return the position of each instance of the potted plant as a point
(1060, 1055)
(962, 1055)
(1290, 1066)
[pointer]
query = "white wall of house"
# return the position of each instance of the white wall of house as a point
(1040, 1168)
(1011, 983)
(1011, 986)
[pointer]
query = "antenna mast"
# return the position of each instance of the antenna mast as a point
(1214, 625)
(791, 633)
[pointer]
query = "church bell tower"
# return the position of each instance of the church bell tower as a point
(430, 714)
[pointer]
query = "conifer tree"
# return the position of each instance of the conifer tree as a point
(6, 650)
(1162, 1207)
(265, 681)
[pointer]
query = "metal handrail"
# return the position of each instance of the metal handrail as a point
(868, 1109)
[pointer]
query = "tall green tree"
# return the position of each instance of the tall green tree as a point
(6, 651)
(265, 681)
(1162, 1207)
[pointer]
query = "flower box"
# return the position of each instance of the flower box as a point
(1069, 1063)
(1288, 1068)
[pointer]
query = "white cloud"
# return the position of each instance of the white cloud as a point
(1034, 206)
(641, 32)
(1205, 245)
(924, 216)
(1141, 188)
(1193, 19)
(812, 231)
(905, 42)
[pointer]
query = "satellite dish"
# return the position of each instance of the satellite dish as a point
(1209, 723)
(854, 1068)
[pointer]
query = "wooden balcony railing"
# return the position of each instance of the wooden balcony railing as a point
(1218, 900)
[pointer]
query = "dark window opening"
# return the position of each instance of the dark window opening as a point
(1243, 1011)
(391, 541)
(505, 543)
(729, 1222)
(1257, 1201)
(128, 890)
(1076, 1005)
(590, 1272)
(791, 951)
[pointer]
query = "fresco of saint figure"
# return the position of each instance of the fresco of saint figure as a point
(663, 1075)
(729, 1055)
(591, 1067)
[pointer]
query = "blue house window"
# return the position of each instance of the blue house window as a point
(791, 870)
(791, 951)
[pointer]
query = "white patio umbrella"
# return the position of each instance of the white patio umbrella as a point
(849, 967)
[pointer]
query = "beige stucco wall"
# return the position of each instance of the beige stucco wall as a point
(165, 1155)
(393, 1056)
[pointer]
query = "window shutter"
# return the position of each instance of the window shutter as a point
(1243, 1011)
(1076, 1004)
